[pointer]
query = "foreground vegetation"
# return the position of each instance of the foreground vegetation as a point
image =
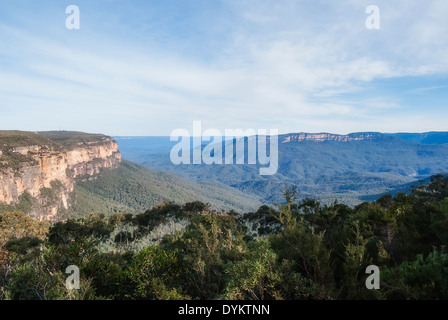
(298, 250)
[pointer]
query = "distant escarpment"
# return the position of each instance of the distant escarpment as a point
(322, 137)
(38, 170)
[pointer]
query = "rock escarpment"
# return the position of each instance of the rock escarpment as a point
(322, 137)
(38, 171)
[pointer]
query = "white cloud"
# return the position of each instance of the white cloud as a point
(288, 61)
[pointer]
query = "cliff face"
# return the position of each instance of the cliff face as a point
(322, 137)
(48, 172)
(87, 161)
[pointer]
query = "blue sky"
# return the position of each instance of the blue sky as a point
(149, 67)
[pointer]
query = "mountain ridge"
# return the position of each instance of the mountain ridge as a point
(325, 136)
(322, 165)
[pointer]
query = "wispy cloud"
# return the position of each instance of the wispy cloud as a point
(291, 65)
(424, 90)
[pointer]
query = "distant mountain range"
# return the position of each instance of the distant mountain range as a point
(424, 138)
(327, 166)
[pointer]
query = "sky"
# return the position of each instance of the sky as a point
(138, 68)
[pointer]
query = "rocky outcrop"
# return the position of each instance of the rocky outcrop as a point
(49, 172)
(87, 161)
(322, 137)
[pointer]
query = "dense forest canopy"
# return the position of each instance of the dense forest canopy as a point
(296, 250)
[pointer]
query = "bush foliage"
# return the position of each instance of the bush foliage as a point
(297, 250)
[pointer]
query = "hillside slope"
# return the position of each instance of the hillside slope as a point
(135, 188)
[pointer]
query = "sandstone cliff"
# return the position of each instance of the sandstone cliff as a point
(33, 165)
(322, 137)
